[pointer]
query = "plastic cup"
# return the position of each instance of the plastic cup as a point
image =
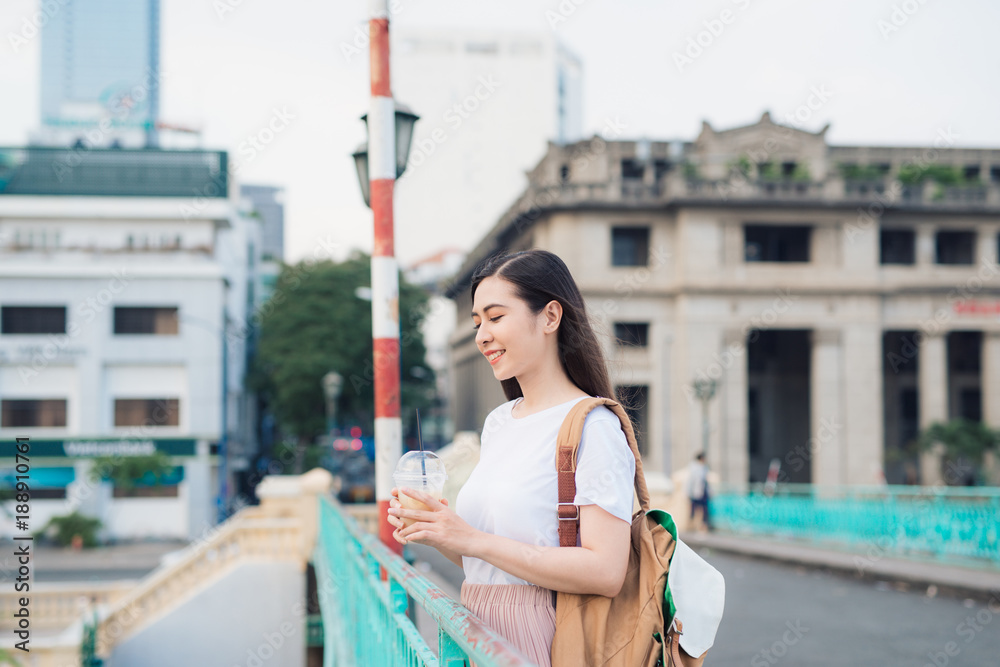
(422, 471)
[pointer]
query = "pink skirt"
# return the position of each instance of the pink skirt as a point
(525, 615)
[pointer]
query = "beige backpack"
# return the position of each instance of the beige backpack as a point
(639, 626)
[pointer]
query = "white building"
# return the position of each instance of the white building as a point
(120, 272)
(488, 103)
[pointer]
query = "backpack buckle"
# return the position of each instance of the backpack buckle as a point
(576, 512)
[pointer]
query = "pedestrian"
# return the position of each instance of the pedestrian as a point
(697, 488)
(532, 326)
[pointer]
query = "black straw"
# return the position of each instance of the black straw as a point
(420, 441)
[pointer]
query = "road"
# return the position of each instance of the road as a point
(785, 615)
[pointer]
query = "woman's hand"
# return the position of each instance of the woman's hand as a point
(440, 527)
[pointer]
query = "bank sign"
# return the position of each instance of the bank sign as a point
(81, 448)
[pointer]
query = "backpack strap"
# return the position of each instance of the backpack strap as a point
(567, 445)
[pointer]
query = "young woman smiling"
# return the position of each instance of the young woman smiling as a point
(531, 325)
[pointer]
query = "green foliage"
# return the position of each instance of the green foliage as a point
(314, 324)
(126, 471)
(944, 174)
(7, 658)
(801, 173)
(861, 172)
(964, 440)
(741, 164)
(63, 528)
(772, 171)
(690, 171)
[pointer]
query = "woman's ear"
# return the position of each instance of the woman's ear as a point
(553, 315)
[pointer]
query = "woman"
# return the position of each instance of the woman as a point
(532, 326)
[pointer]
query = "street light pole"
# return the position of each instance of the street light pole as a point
(704, 389)
(384, 272)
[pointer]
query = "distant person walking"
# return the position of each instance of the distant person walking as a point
(697, 488)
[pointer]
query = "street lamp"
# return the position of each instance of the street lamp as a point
(389, 128)
(405, 120)
(332, 382)
(704, 389)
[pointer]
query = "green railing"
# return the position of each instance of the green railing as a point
(957, 524)
(365, 617)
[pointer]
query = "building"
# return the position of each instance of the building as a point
(123, 277)
(464, 85)
(431, 273)
(100, 73)
(268, 203)
(841, 297)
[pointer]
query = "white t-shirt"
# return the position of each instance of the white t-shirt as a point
(513, 490)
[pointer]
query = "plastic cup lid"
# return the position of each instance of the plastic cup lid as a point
(416, 464)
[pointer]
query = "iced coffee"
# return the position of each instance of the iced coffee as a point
(423, 471)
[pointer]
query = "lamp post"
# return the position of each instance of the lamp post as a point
(704, 389)
(390, 130)
(332, 382)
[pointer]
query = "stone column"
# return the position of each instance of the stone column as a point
(990, 378)
(733, 399)
(864, 431)
(825, 449)
(932, 381)
(926, 249)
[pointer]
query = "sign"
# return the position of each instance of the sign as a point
(90, 447)
(977, 307)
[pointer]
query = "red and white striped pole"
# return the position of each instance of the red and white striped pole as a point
(385, 280)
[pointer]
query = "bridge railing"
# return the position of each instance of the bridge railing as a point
(956, 524)
(365, 621)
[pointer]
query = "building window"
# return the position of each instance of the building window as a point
(634, 398)
(971, 172)
(629, 246)
(133, 320)
(898, 246)
(956, 247)
(631, 333)
(33, 413)
(776, 243)
(564, 174)
(995, 174)
(147, 412)
(33, 319)
(632, 170)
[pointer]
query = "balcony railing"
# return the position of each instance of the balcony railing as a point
(365, 619)
(833, 190)
(957, 524)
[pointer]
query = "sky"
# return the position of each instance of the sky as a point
(880, 72)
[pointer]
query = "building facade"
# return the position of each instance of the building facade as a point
(123, 277)
(836, 298)
(464, 85)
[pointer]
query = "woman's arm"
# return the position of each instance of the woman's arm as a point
(596, 567)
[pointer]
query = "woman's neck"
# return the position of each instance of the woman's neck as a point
(546, 386)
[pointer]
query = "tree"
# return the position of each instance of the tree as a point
(965, 441)
(126, 471)
(315, 323)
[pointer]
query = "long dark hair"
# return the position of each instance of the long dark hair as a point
(538, 277)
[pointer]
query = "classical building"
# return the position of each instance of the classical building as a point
(840, 298)
(126, 279)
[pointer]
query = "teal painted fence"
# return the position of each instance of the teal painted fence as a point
(365, 621)
(957, 524)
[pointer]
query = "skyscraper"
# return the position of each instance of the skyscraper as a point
(100, 72)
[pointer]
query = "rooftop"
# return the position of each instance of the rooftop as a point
(113, 172)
